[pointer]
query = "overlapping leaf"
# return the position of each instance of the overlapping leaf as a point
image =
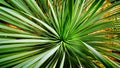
(58, 34)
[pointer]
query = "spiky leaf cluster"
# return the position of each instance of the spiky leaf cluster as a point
(57, 34)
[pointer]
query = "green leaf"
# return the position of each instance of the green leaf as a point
(49, 53)
(16, 56)
(99, 56)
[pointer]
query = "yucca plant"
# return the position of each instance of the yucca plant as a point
(57, 34)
